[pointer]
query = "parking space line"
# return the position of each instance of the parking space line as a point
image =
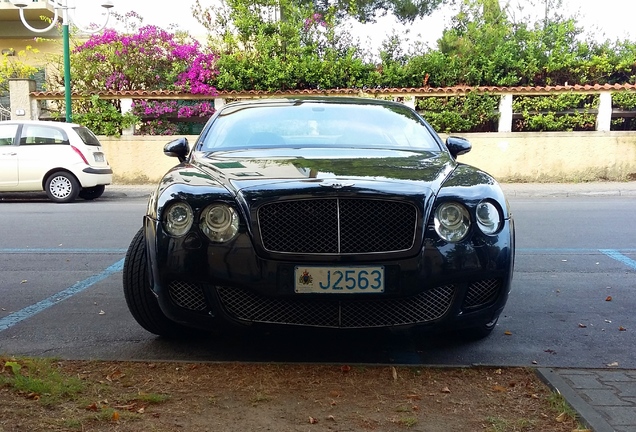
(614, 254)
(29, 311)
(60, 251)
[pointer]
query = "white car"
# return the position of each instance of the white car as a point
(65, 160)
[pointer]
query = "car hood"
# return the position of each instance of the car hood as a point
(259, 171)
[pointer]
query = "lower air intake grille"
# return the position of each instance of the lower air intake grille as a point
(481, 293)
(247, 306)
(187, 295)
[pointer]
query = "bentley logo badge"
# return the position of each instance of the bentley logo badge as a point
(337, 185)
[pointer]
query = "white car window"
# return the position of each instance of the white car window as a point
(37, 134)
(7, 134)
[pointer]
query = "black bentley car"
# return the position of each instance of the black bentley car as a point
(327, 212)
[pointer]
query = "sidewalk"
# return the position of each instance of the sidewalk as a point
(605, 399)
(527, 190)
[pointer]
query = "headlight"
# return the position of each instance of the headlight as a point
(177, 219)
(219, 222)
(488, 218)
(452, 221)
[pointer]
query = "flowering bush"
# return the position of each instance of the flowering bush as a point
(160, 117)
(152, 58)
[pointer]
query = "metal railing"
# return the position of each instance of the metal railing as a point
(5, 114)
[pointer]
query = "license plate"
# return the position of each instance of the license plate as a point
(99, 157)
(339, 280)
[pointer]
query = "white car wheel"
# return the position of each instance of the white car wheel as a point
(62, 187)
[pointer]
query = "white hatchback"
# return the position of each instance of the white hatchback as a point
(65, 160)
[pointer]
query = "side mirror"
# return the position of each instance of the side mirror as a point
(458, 146)
(178, 148)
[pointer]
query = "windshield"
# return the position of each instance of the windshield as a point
(316, 124)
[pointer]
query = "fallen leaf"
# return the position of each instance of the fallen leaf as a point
(141, 410)
(24, 281)
(334, 393)
(608, 298)
(561, 417)
(101, 312)
(535, 362)
(313, 420)
(613, 364)
(330, 417)
(608, 321)
(582, 325)
(115, 416)
(446, 390)
(498, 371)
(621, 328)
(508, 333)
(117, 374)
(394, 373)
(92, 407)
(499, 389)
(414, 396)
(345, 368)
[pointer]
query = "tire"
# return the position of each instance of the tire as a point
(141, 301)
(92, 193)
(62, 187)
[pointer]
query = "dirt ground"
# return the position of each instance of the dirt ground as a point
(138, 396)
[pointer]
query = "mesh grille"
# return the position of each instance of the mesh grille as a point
(337, 226)
(187, 295)
(481, 293)
(245, 305)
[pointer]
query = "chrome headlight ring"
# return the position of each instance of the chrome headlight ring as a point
(452, 221)
(177, 218)
(488, 217)
(219, 222)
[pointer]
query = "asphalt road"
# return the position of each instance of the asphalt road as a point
(573, 292)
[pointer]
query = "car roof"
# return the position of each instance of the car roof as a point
(42, 122)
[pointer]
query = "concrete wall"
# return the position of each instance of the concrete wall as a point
(519, 157)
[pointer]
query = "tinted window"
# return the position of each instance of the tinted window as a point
(87, 136)
(40, 135)
(318, 124)
(7, 134)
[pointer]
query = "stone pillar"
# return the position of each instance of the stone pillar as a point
(218, 103)
(409, 101)
(505, 113)
(604, 116)
(23, 107)
(126, 106)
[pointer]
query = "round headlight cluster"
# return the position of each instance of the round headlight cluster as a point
(177, 219)
(219, 222)
(452, 221)
(488, 218)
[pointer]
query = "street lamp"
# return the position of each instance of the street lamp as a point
(66, 18)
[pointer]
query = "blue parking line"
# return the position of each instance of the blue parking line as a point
(29, 311)
(61, 251)
(614, 254)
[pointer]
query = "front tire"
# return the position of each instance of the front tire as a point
(62, 187)
(92, 193)
(141, 301)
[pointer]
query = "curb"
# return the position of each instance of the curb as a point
(586, 413)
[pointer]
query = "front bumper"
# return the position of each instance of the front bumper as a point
(445, 285)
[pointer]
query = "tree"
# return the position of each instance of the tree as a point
(406, 11)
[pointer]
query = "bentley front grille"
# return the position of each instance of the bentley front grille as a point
(318, 312)
(337, 226)
(481, 293)
(187, 295)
